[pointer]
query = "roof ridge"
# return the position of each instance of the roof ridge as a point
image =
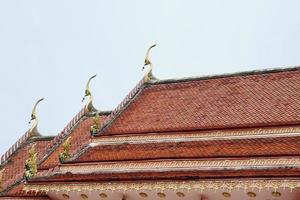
(15, 147)
(225, 75)
(26, 136)
(65, 132)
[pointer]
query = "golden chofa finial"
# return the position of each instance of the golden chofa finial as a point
(88, 93)
(34, 119)
(147, 62)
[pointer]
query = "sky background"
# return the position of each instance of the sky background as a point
(50, 48)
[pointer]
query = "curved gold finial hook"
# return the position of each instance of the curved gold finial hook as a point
(148, 75)
(34, 116)
(88, 92)
(147, 57)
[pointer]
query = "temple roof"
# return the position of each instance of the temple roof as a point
(253, 99)
(241, 116)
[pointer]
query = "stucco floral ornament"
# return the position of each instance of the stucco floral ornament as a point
(1, 179)
(63, 156)
(96, 124)
(31, 164)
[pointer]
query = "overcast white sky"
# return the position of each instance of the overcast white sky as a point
(50, 48)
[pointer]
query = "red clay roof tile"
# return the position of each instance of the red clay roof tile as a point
(262, 99)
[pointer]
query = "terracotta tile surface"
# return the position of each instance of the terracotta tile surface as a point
(217, 103)
(225, 148)
(14, 169)
(80, 137)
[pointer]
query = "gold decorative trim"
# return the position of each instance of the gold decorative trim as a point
(34, 119)
(96, 124)
(161, 195)
(143, 194)
(251, 194)
(276, 194)
(180, 194)
(65, 154)
(198, 136)
(103, 195)
(226, 185)
(65, 196)
(87, 93)
(226, 194)
(31, 163)
(182, 164)
(1, 179)
(84, 196)
(147, 62)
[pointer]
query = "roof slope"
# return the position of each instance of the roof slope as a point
(14, 168)
(241, 100)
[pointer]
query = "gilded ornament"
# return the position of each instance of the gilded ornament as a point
(226, 194)
(87, 93)
(142, 194)
(175, 186)
(34, 119)
(65, 196)
(180, 194)
(147, 62)
(96, 124)
(1, 179)
(31, 163)
(276, 194)
(63, 156)
(84, 196)
(103, 195)
(161, 194)
(251, 194)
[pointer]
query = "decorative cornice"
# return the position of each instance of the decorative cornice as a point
(160, 186)
(258, 163)
(198, 136)
(24, 198)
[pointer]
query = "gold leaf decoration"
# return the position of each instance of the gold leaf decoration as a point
(161, 194)
(180, 194)
(65, 196)
(143, 194)
(96, 125)
(103, 195)
(226, 185)
(226, 194)
(1, 179)
(276, 194)
(84, 196)
(31, 163)
(251, 194)
(63, 156)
